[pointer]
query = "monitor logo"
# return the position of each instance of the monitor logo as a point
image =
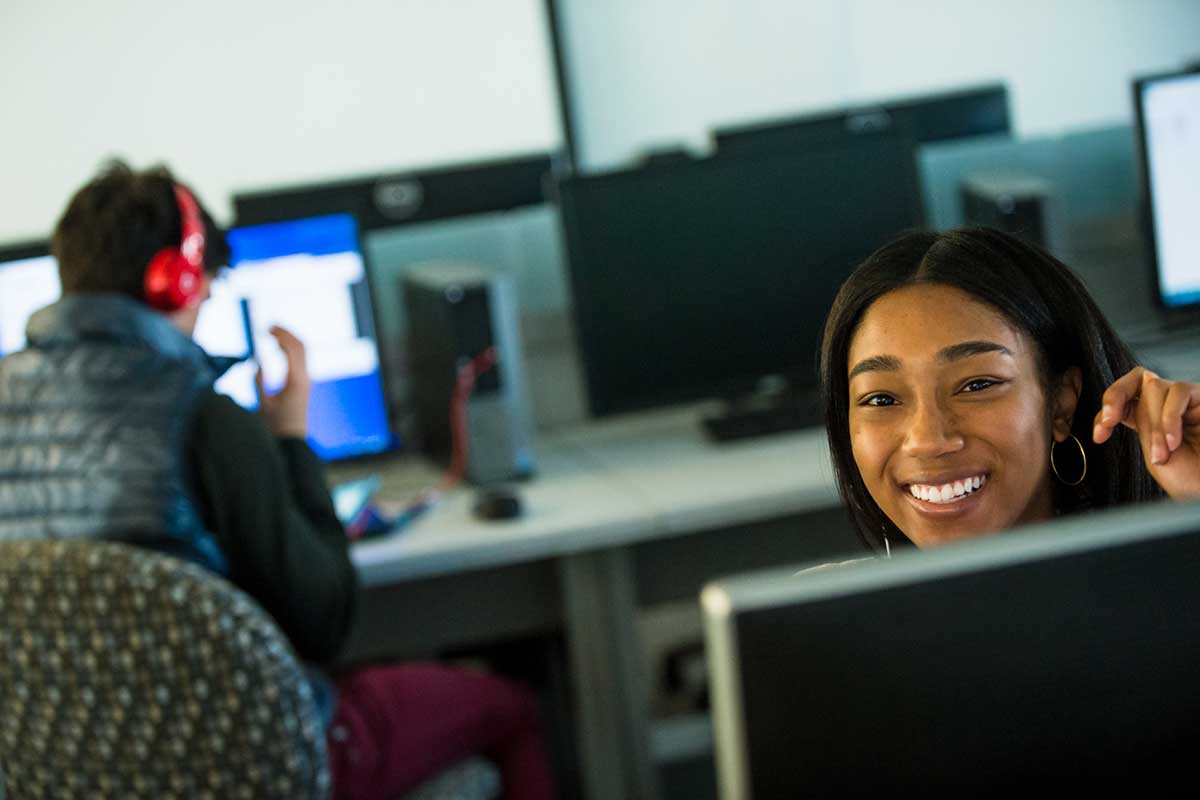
(399, 198)
(868, 121)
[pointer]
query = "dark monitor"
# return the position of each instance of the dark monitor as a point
(1168, 127)
(28, 281)
(308, 275)
(974, 111)
(1064, 656)
(695, 279)
(406, 198)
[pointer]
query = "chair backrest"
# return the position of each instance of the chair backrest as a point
(126, 673)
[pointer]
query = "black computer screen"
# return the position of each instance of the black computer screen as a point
(988, 666)
(1168, 120)
(695, 278)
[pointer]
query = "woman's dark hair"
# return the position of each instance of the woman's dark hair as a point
(1038, 295)
(115, 224)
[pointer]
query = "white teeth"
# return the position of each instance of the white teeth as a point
(947, 492)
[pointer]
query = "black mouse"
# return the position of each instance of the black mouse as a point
(497, 503)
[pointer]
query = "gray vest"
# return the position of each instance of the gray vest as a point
(94, 417)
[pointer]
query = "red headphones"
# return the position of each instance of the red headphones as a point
(174, 277)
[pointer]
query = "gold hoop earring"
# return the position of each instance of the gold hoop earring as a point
(1082, 455)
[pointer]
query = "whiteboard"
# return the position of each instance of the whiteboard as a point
(250, 94)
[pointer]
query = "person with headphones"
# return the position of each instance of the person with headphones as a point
(116, 433)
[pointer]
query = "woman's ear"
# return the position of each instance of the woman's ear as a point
(1066, 399)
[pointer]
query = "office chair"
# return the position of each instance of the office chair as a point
(127, 673)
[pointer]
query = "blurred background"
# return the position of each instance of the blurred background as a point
(256, 97)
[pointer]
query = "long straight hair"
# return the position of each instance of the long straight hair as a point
(1039, 296)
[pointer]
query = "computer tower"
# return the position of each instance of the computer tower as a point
(456, 312)
(1016, 204)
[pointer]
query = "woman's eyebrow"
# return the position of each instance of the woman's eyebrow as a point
(966, 349)
(954, 352)
(875, 364)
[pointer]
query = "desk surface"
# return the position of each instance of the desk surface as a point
(619, 482)
(692, 483)
(567, 507)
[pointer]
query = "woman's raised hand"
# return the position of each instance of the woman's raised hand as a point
(1166, 416)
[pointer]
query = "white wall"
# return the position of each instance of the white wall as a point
(237, 94)
(242, 94)
(645, 73)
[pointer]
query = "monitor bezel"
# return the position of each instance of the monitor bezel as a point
(1146, 210)
(23, 249)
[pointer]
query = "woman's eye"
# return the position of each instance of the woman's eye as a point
(978, 385)
(879, 400)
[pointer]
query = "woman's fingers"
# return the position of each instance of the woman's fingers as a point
(1148, 417)
(1156, 408)
(1180, 397)
(1116, 403)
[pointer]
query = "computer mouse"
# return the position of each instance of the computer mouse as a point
(497, 503)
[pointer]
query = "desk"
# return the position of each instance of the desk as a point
(602, 492)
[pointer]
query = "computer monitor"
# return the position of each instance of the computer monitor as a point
(309, 276)
(956, 114)
(1168, 126)
(1063, 656)
(28, 281)
(696, 278)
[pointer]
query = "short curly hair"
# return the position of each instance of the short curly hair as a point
(115, 224)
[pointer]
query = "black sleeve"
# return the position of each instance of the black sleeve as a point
(267, 503)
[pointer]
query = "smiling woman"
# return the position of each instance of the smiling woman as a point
(971, 385)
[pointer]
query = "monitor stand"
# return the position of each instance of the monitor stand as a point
(747, 417)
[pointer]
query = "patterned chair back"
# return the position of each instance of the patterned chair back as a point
(126, 673)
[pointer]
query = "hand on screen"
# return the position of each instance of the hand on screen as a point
(1166, 416)
(286, 411)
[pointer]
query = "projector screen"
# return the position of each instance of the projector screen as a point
(235, 95)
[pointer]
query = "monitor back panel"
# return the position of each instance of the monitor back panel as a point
(1077, 670)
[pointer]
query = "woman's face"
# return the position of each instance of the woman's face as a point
(949, 422)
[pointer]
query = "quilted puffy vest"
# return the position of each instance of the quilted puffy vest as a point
(94, 416)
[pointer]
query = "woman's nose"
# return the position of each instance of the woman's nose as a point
(932, 432)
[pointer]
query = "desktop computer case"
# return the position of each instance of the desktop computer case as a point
(455, 312)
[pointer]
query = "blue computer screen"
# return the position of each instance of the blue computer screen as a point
(308, 275)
